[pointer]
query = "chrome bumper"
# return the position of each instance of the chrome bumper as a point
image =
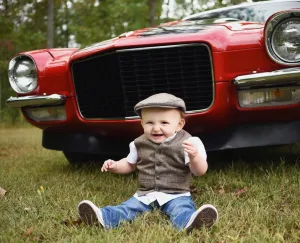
(288, 76)
(42, 100)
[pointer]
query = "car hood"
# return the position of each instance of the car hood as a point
(185, 27)
(62, 53)
(219, 34)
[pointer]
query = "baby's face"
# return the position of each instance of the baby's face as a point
(161, 123)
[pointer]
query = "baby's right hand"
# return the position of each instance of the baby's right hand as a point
(109, 165)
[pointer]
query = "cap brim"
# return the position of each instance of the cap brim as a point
(138, 110)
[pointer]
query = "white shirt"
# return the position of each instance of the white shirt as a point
(162, 197)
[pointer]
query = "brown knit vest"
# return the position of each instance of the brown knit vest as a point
(161, 167)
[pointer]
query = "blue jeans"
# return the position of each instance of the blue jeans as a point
(179, 211)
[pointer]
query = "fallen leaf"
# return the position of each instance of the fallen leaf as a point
(221, 190)
(39, 238)
(2, 192)
(241, 191)
(193, 189)
(29, 231)
(71, 222)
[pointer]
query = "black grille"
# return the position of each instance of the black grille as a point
(109, 85)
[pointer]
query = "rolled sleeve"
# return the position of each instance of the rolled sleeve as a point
(132, 156)
(200, 146)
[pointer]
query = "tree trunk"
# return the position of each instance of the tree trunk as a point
(66, 21)
(151, 5)
(6, 10)
(50, 33)
(168, 10)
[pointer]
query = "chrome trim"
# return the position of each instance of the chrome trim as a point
(160, 47)
(42, 100)
(131, 117)
(279, 77)
(270, 26)
(156, 47)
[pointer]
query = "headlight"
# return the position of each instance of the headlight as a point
(22, 74)
(282, 38)
(286, 40)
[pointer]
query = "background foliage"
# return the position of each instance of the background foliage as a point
(23, 27)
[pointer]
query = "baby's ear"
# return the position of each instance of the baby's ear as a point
(181, 124)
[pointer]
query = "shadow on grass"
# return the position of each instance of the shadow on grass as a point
(257, 156)
(264, 157)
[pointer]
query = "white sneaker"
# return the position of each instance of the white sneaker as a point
(206, 216)
(90, 213)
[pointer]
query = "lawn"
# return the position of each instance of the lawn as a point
(256, 191)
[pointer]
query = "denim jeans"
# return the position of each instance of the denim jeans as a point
(179, 210)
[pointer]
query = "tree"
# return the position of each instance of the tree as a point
(50, 21)
(152, 7)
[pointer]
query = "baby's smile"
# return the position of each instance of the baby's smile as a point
(157, 135)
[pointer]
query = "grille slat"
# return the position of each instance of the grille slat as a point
(109, 85)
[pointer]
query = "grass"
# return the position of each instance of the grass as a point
(256, 191)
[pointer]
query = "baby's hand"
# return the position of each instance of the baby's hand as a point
(190, 148)
(109, 165)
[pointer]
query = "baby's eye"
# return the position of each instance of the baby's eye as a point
(149, 122)
(165, 122)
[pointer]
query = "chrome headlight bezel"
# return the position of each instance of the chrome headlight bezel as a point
(273, 24)
(13, 64)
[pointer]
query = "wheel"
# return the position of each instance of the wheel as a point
(75, 158)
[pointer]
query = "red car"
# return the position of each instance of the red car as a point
(237, 68)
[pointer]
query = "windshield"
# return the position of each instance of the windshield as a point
(255, 13)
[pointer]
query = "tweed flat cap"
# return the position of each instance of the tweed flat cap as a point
(162, 100)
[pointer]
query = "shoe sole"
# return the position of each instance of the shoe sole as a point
(207, 217)
(87, 214)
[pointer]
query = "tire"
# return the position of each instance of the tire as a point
(75, 158)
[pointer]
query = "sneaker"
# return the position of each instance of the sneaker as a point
(205, 216)
(90, 213)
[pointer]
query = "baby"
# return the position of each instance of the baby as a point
(165, 157)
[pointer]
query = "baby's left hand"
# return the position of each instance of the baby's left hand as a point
(190, 148)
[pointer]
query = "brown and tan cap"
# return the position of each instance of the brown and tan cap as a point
(162, 100)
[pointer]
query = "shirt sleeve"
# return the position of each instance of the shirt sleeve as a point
(200, 146)
(132, 156)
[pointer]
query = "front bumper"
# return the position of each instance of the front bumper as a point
(288, 76)
(42, 100)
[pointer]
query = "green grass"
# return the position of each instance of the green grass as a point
(256, 191)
